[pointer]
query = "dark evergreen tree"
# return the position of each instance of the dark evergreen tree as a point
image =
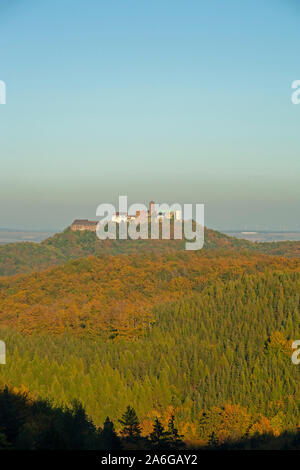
(158, 436)
(174, 437)
(131, 426)
(109, 440)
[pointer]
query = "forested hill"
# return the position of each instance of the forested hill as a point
(218, 359)
(27, 257)
(205, 335)
(114, 295)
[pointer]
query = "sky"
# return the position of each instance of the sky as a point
(170, 100)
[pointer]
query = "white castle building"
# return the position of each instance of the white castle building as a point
(118, 217)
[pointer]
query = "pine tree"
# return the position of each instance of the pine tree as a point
(130, 422)
(109, 440)
(174, 437)
(158, 435)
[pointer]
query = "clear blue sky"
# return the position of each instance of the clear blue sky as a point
(176, 101)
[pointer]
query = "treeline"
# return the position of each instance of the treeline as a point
(220, 361)
(26, 257)
(35, 424)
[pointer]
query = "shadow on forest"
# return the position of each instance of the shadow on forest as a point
(37, 424)
(285, 441)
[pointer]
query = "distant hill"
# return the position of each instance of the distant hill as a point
(26, 257)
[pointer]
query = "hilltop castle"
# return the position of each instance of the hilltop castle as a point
(84, 224)
(118, 217)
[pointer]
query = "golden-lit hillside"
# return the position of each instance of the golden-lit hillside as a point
(116, 294)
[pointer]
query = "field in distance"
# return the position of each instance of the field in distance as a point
(14, 236)
(264, 236)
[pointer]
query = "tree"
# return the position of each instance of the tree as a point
(213, 440)
(174, 436)
(158, 435)
(109, 440)
(131, 426)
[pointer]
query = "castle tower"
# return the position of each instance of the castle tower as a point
(151, 208)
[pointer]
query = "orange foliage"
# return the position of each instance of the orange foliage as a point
(116, 295)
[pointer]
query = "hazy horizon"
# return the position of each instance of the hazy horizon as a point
(220, 229)
(175, 103)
